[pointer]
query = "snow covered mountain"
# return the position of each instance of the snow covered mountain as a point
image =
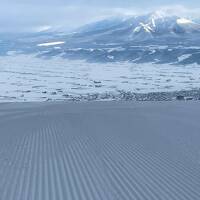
(141, 28)
(155, 37)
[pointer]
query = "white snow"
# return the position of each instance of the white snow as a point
(43, 28)
(57, 47)
(11, 53)
(146, 27)
(111, 57)
(183, 57)
(184, 21)
(153, 22)
(50, 44)
(115, 49)
(137, 29)
(20, 74)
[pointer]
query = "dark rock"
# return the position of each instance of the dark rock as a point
(180, 97)
(97, 82)
(27, 91)
(53, 93)
(189, 98)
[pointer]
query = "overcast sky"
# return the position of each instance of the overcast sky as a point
(24, 14)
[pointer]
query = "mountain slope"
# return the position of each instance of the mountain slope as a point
(140, 28)
(154, 37)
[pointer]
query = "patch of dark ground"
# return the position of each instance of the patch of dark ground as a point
(121, 95)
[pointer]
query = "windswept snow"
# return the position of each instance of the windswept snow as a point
(183, 57)
(50, 44)
(25, 78)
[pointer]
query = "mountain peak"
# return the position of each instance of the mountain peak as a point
(150, 26)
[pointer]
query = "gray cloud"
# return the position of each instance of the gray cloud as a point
(104, 3)
(20, 15)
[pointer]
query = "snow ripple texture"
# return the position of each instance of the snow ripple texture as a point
(100, 151)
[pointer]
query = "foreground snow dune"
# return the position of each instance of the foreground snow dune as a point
(100, 150)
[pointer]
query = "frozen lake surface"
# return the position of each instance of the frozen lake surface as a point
(27, 78)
